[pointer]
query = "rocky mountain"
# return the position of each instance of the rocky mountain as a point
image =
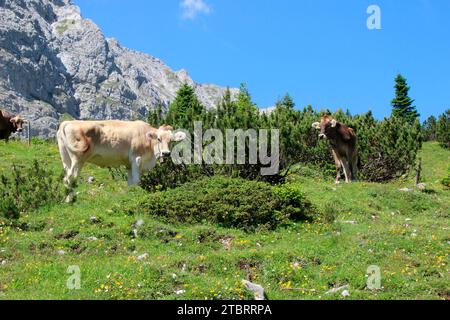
(54, 65)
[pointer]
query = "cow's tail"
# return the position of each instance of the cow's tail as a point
(63, 147)
(63, 142)
(61, 135)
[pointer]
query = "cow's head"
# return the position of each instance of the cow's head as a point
(162, 139)
(327, 126)
(17, 123)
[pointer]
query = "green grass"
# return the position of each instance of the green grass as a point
(405, 234)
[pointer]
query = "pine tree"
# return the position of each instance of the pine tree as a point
(244, 100)
(402, 104)
(226, 111)
(429, 129)
(287, 103)
(246, 113)
(185, 109)
(443, 129)
(156, 116)
(284, 118)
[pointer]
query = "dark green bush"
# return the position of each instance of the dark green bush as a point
(229, 202)
(28, 188)
(295, 204)
(169, 175)
(387, 149)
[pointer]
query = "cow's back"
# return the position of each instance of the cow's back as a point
(105, 143)
(348, 140)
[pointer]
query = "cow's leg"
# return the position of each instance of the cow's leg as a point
(347, 173)
(73, 172)
(71, 178)
(135, 172)
(76, 170)
(65, 157)
(352, 165)
(68, 179)
(338, 163)
(130, 177)
(339, 167)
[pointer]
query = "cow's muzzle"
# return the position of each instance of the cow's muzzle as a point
(164, 156)
(322, 136)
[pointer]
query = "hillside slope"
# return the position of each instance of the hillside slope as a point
(54, 62)
(406, 234)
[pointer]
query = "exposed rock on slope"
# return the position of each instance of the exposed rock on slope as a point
(54, 63)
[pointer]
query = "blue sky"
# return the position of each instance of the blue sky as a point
(319, 51)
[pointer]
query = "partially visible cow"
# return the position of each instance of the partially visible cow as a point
(135, 145)
(343, 142)
(10, 124)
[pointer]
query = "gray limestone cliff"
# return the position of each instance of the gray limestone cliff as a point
(54, 65)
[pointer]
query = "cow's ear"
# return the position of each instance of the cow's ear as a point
(165, 127)
(13, 120)
(179, 136)
(316, 125)
(152, 135)
(333, 123)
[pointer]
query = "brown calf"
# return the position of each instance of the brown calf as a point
(9, 124)
(343, 142)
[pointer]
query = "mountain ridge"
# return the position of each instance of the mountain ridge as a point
(54, 64)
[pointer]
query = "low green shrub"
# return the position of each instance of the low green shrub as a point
(169, 175)
(387, 148)
(229, 202)
(295, 203)
(28, 188)
(446, 180)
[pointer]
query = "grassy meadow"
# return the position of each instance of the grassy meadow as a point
(406, 234)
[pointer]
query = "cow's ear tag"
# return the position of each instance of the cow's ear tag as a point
(333, 123)
(316, 125)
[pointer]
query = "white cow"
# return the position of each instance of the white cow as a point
(135, 145)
